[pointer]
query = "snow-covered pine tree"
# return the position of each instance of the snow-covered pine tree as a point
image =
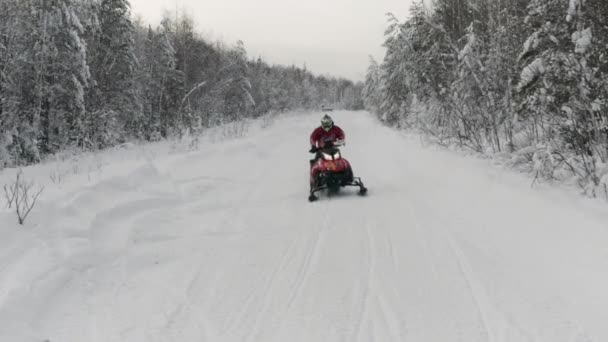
(6, 38)
(165, 88)
(17, 126)
(563, 83)
(482, 86)
(189, 50)
(396, 95)
(238, 101)
(172, 81)
(258, 72)
(112, 104)
(8, 10)
(48, 76)
(309, 95)
(372, 91)
(62, 74)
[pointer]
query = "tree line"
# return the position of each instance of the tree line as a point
(84, 74)
(524, 78)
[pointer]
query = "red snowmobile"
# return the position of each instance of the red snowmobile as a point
(329, 171)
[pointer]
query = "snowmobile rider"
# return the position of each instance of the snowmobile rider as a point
(327, 132)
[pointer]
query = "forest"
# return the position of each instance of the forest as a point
(85, 75)
(521, 80)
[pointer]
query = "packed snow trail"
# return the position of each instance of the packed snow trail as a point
(221, 244)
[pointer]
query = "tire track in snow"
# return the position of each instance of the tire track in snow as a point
(386, 308)
(475, 288)
(495, 325)
(230, 220)
(424, 241)
(310, 262)
(109, 231)
(269, 293)
(366, 300)
(390, 318)
(376, 299)
(392, 251)
(237, 206)
(429, 234)
(227, 221)
(305, 269)
(185, 311)
(116, 223)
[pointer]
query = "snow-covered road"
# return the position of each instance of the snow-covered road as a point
(221, 244)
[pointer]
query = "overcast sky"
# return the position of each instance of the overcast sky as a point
(330, 36)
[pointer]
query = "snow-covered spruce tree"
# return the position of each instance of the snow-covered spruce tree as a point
(417, 66)
(238, 101)
(454, 62)
(161, 84)
(8, 10)
(18, 124)
(279, 89)
(207, 103)
(481, 89)
(372, 91)
(344, 93)
(292, 83)
(310, 96)
(472, 98)
(6, 38)
(111, 101)
(275, 96)
(171, 82)
(192, 60)
(443, 42)
(351, 96)
(503, 35)
(562, 88)
(299, 78)
(260, 84)
(396, 95)
(53, 75)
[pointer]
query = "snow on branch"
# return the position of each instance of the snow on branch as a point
(582, 40)
(531, 74)
(574, 8)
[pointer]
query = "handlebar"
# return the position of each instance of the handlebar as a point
(328, 144)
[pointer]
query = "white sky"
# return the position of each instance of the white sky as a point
(333, 37)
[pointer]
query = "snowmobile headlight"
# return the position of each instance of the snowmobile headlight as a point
(327, 156)
(337, 155)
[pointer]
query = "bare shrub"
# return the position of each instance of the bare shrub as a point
(236, 129)
(10, 191)
(56, 177)
(268, 119)
(194, 144)
(21, 195)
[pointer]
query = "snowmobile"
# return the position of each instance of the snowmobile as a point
(329, 171)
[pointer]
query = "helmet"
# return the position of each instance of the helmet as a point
(327, 123)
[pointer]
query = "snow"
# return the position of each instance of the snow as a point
(531, 44)
(174, 242)
(582, 40)
(573, 8)
(531, 73)
(468, 48)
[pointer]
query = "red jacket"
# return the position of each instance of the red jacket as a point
(320, 135)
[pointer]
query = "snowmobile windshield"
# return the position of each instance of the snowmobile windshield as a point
(331, 155)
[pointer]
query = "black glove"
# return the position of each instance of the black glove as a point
(314, 149)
